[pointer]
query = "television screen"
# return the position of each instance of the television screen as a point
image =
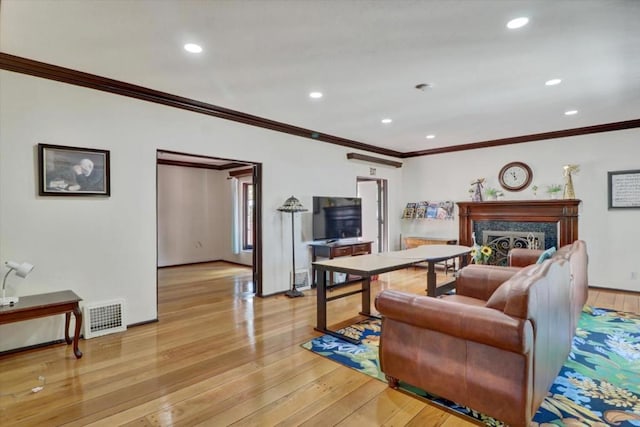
(336, 217)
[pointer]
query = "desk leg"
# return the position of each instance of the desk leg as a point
(78, 316)
(366, 296)
(431, 279)
(321, 301)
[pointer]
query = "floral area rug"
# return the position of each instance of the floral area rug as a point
(599, 384)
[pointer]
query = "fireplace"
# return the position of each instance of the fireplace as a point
(518, 223)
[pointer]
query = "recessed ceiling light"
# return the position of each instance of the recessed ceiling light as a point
(315, 95)
(553, 82)
(571, 112)
(430, 136)
(386, 121)
(193, 48)
(517, 23)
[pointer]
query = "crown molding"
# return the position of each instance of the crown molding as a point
(66, 75)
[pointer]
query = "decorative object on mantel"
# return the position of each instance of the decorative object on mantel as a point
(293, 205)
(554, 190)
(22, 270)
(477, 191)
(493, 193)
(569, 193)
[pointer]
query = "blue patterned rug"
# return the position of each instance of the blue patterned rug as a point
(599, 385)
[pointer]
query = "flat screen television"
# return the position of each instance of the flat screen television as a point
(336, 217)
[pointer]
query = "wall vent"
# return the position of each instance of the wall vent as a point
(104, 318)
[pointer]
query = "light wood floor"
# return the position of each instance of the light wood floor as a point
(218, 356)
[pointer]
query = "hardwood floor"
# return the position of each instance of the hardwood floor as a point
(218, 356)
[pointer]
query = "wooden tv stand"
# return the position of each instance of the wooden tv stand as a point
(339, 248)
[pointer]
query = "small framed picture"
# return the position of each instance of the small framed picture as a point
(624, 189)
(73, 171)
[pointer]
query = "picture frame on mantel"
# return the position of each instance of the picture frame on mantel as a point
(73, 171)
(624, 189)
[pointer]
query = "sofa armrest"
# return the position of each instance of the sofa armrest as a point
(468, 322)
(522, 257)
(480, 281)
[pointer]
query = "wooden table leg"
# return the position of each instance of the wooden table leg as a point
(78, 316)
(431, 279)
(67, 321)
(366, 296)
(321, 301)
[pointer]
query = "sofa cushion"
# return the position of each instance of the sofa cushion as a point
(546, 254)
(498, 299)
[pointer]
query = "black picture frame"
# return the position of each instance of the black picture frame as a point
(73, 171)
(624, 189)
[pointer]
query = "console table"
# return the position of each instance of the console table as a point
(41, 305)
(414, 242)
(340, 248)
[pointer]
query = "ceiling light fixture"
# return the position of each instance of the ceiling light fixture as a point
(193, 48)
(386, 121)
(315, 95)
(553, 82)
(430, 136)
(571, 112)
(517, 23)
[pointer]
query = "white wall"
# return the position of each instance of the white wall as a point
(104, 248)
(194, 212)
(611, 235)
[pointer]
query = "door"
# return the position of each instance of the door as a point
(373, 193)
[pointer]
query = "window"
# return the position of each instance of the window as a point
(247, 215)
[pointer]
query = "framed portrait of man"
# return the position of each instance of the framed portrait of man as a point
(73, 171)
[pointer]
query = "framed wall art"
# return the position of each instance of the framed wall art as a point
(73, 171)
(624, 189)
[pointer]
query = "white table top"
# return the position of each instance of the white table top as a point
(388, 261)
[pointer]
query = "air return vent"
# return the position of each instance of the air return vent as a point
(104, 318)
(302, 278)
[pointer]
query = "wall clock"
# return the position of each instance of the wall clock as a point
(515, 176)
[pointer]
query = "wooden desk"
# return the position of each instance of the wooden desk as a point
(41, 305)
(367, 266)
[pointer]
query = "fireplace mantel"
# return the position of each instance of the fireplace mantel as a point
(562, 212)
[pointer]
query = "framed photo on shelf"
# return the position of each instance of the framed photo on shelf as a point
(73, 171)
(624, 189)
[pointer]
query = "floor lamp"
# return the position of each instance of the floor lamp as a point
(292, 205)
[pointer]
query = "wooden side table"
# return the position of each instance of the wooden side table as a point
(42, 305)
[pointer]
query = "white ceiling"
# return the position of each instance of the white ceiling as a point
(263, 57)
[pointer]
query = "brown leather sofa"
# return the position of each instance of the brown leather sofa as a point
(496, 346)
(576, 254)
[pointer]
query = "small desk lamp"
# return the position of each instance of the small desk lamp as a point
(293, 205)
(22, 270)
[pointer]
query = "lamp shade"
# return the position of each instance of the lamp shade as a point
(22, 270)
(292, 205)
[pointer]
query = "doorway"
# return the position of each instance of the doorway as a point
(373, 192)
(209, 209)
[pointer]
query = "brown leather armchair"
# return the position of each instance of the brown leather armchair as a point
(496, 346)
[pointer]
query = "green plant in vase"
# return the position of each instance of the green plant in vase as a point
(491, 193)
(554, 190)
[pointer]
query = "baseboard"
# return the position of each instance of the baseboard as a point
(623, 291)
(205, 262)
(31, 347)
